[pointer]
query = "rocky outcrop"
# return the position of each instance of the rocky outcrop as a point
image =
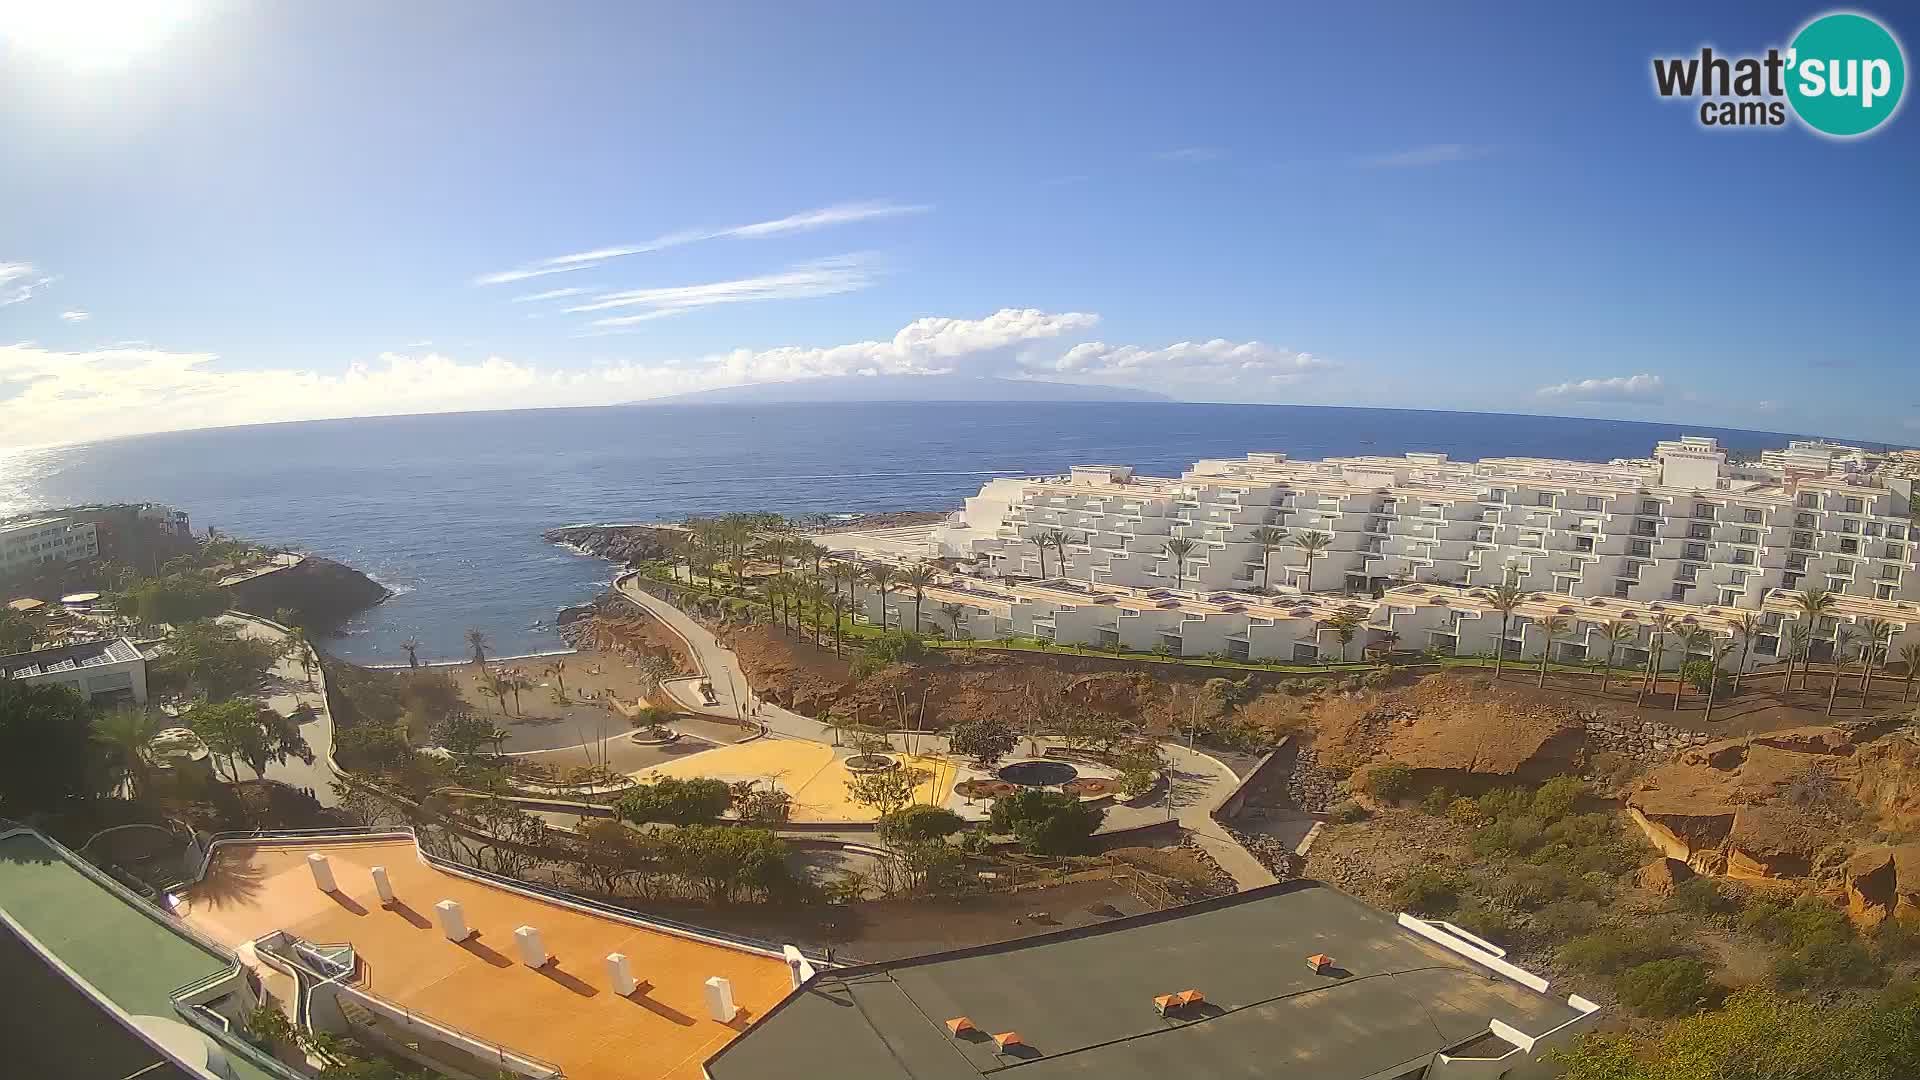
(321, 592)
(1883, 882)
(624, 544)
(1662, 876)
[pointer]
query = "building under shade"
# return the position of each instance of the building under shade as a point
(1293, 980)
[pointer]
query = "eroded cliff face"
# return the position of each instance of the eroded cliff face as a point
(323, 592)
(1791, 806)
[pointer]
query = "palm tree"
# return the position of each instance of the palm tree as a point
(1505, 597)
(478, 641)
(300, 652)
(1554, 627)
(1178, 549)
(128, 731)
(1344, 624)
(842, 574)
(516, 682)
(1910, 657)
(956, 612)
(917, 579)
(1615, 633)
(839, 605)
(1691, 638)
(1042, 541)
(1842, 642)
(558, 669)
(1798, 639)
(1746, 626)
(1813, 605)
(1656, 645)
(1269, 538)
(881, 576)
(411, 647)
(1713, 681)
(1312, 543)
(496, 688)
(1876, 635)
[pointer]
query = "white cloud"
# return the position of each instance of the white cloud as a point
(551, 294)
(1436, 154)
(19, 281)
(1618, 388)
(1192, 153)
(804, 221)
(76, 315)
(1211, 362)
(824, 277)
(1766, 406)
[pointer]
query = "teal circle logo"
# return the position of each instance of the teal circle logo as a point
(1845, 74)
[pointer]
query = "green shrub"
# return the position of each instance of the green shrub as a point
(1501, 803)
(920, 822)
(1676, 986)
(1464, 811)
(1826, 965)
(1611, 950)
(1346, 812)
(1390, 782)
(1557, 798)
(1046, 822)
(674, 801)
(1567, 919)
(1483, 921)
(1509, 836)
(1702, 896)
(1436, 802)
(1427, 892)
(1531, 888)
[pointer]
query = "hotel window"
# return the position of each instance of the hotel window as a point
(1796, 561)
(1642, 548)
(1749, 536)
(1752, 516)
(1679, 592)
(1699, 531)
(1703, 510)
(1498, 495)
(1791, 581)
(1826, 626)
(1595, 502)
(1620, 588)
(1742, 557)
(1803, 539)
(1643, 528)
(1649, 506)
(1805, 521)
(1896, 532)
(1807, 500)
(1849, 546)
(1872, 528)
(1896, 551)
(1853, 506)
(1889, 572)
(1843, 567)
(1886, 592)
(1545, 498)
(1483, 536)
(1697, 552)
(1849, 525)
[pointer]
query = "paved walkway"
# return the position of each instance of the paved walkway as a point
(1198, 784)
(288, 689)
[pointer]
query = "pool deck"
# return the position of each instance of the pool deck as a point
(565, 1013)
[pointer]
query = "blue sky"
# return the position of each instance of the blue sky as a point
(275, 211)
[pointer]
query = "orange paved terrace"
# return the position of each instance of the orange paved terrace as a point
(566, 1014)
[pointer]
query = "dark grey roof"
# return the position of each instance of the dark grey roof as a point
(67, 658)
(1082, 1001)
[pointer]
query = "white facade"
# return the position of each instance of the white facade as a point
(1684, 531)
(107, 671)
(24, 544)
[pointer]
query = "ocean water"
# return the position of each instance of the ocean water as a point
(448, 510)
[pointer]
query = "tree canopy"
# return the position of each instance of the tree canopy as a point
(48, 757)
(174, 599)
(243, 729)
(17, 632)
(216, 659)
(1046, 822)
(671, 800)
(984, 739)
(727, 862)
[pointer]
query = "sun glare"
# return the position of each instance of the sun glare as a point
(87, 33)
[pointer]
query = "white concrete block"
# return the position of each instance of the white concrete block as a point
(720, 1000)
(322, 872)
(620, 974)
(533, 952)
(798, 967)
(381, 885)
(453, 920)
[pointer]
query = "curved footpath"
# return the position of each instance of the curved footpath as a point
(288, 690)
(1203, 782)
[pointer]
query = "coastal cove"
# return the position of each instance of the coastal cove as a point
(447, 511)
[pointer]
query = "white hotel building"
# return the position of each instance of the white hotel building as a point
(1685, 534)
(28, 543)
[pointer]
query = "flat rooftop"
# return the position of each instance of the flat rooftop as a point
(67, 658)
(565, 1013)
(1082, 1001)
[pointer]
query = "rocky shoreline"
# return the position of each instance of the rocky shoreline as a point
(623, 544)
(323, 592)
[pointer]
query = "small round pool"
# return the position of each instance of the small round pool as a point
(1037, 773)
